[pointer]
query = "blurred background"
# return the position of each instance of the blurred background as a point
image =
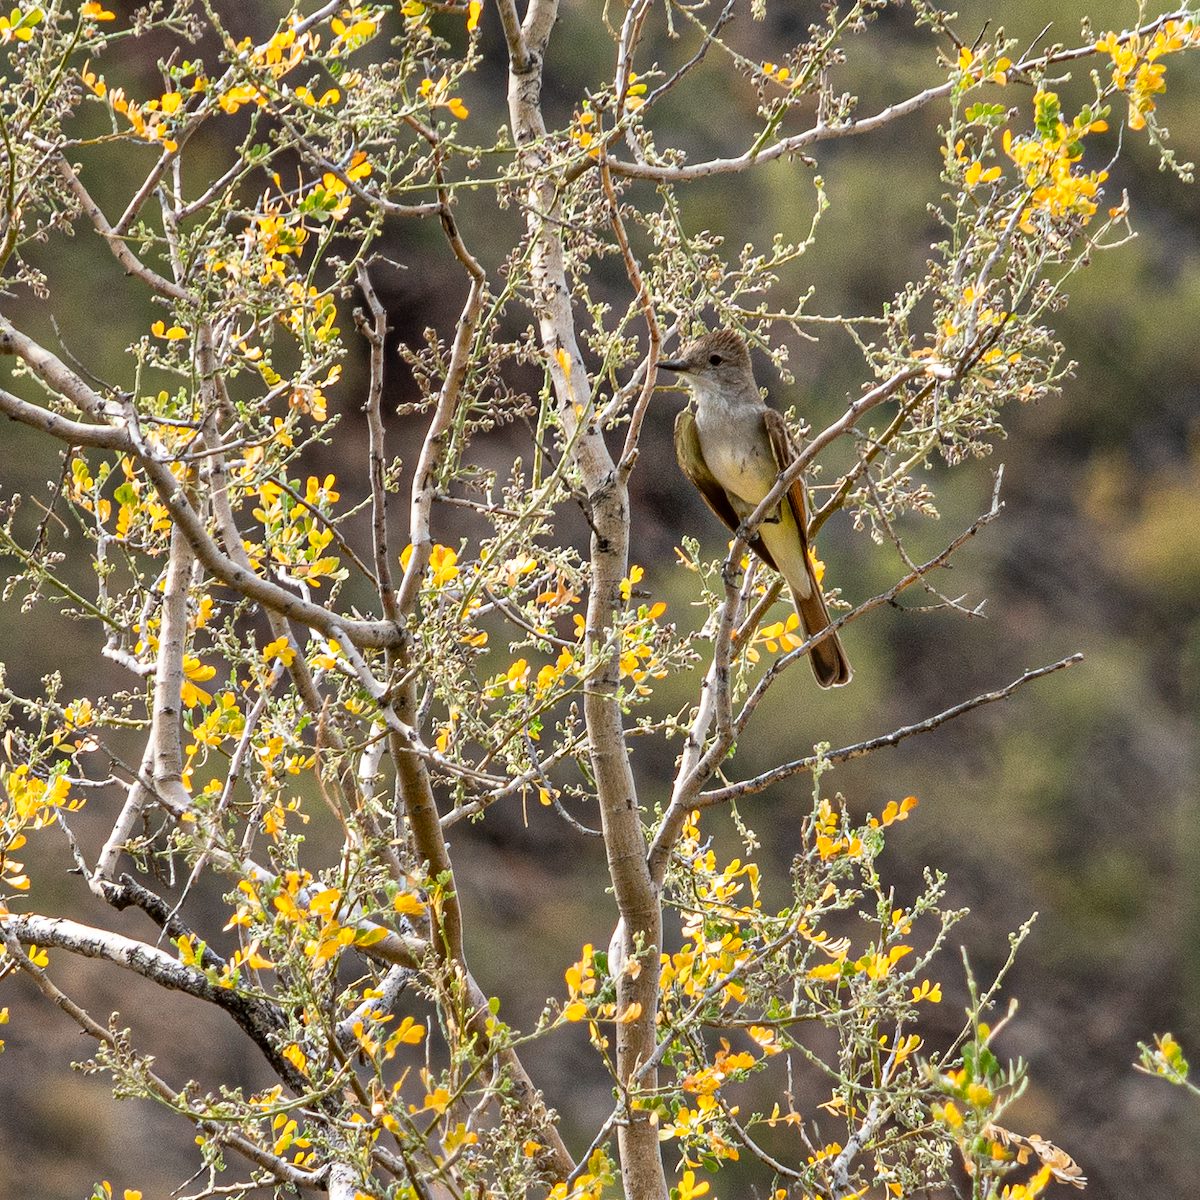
(1078, 799)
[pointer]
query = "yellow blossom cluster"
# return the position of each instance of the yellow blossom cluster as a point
(635, 93)
(369, 1034)
(288, 1139)
(267, 253)
(975, 63)
(1136, 69)
(276, 753)
(829, 839)
(20, 23)
(542, 686)
(639, 659)
(28, 801)
(223, 720)
(698, 1126)
(583, 133)
(1165, 1059)
(195, 672)
(727, 1065)
(298, 533)
(154, 120)
(309, 918)
(443, 564)
(437, 95)
(581, 985)
(711, 959)
(140, 510)
(705, 962)
(278, 56)
(591, 1184)
(876, 964)
(271, 237)
(353, 28)
(35, 801)
(331, 197)
(311, 315)
(893, 811)
(1047, 160)
(581, 1005)
(83, 489)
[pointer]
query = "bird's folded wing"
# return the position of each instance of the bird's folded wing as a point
(691, 461)
(785, 454)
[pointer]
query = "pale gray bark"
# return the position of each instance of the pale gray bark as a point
(608, 501)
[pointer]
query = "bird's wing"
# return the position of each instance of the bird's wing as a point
(691, 461)
(785, 454)
(828, 658)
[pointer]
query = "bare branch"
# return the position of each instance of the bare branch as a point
(376, 334)
(797, 143)
(116, 243)
(749, 786)
(608, 511)
(11, 929)
(425, 481)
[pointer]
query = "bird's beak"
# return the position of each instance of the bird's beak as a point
(673, 364)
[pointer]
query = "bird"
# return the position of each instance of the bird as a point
(734, 448)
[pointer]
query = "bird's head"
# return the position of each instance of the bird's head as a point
(718, 361)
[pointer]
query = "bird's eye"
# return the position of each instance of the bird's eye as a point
(715, 360)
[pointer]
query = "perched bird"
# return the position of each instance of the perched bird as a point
(733, 449)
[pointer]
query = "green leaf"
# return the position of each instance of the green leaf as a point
(1048, 114)
(987, 114)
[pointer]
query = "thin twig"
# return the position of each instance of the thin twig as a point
(748, 787)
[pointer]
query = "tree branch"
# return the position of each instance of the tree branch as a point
(10, 928)
(608, 511)
(748, 787)
(65, 383)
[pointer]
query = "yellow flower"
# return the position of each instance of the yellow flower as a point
(195, 672)
(894, 812)
(173, 334)
(630, 581)
(408, 905)
(927, 991)
(948, 1113)
(436, 95)
(407, 1033)
(281, 649)
(443, 562)
(976, 174)
(517, 676)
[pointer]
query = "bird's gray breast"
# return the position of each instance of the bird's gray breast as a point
(737, 451)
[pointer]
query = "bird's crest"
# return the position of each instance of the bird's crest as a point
(726, 343)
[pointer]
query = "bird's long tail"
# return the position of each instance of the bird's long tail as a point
(829, 662)
(788, 549)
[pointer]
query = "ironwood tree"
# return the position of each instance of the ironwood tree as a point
(403, 666)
